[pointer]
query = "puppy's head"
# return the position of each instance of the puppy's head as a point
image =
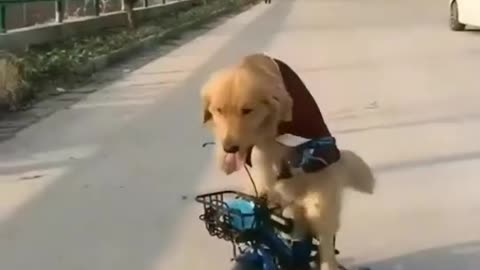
(244, 107)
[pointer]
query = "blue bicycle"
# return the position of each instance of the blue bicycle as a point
(259, 233)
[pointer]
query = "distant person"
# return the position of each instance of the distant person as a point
(268, 1)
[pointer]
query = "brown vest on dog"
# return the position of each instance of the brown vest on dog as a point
(307, 120)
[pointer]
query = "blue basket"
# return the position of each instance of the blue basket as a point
(244, 217)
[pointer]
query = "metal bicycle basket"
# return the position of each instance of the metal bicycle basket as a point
(227, 214)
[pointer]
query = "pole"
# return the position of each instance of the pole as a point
(96, 7)
(59, 11)
(3, 24)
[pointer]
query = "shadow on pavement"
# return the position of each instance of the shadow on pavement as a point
(98, 214)
(413, 123)
(465, 256)
(411, 164)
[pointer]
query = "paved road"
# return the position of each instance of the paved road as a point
(100, 184)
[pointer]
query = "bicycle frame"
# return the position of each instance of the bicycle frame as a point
(297, 255)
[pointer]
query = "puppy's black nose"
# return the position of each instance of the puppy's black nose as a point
(231, 149)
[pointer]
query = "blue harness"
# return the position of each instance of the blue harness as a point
(315, 154)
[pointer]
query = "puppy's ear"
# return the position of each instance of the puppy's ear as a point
(212, 83)
(286, 108)
(280, 108)
(283, 104)
(207, 115)
(278, 92)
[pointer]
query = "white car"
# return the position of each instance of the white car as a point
(464, 12)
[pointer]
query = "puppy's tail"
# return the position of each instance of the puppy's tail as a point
(360, 176)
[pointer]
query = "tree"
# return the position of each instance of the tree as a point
(129, 4)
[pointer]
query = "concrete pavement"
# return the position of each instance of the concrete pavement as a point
(107, 183)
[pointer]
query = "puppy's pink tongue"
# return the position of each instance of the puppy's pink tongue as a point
(232, 163)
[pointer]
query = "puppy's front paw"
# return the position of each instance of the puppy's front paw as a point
(274, 198)
(329, 266)
(262, 191)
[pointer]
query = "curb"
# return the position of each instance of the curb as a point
(101, 62)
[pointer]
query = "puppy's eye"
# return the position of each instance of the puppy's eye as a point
(246, 111)
(219, 110)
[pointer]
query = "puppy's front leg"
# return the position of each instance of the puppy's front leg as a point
(327, 252)
(263, 172)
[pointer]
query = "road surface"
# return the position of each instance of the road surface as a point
(107, 183)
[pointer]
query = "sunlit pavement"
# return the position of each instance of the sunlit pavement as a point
(107, 183)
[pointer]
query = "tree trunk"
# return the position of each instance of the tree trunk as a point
(129, 4)
(129, 11)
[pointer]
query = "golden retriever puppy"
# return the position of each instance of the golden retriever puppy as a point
(244, 105)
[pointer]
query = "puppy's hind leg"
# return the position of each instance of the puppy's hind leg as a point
(327, 252)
